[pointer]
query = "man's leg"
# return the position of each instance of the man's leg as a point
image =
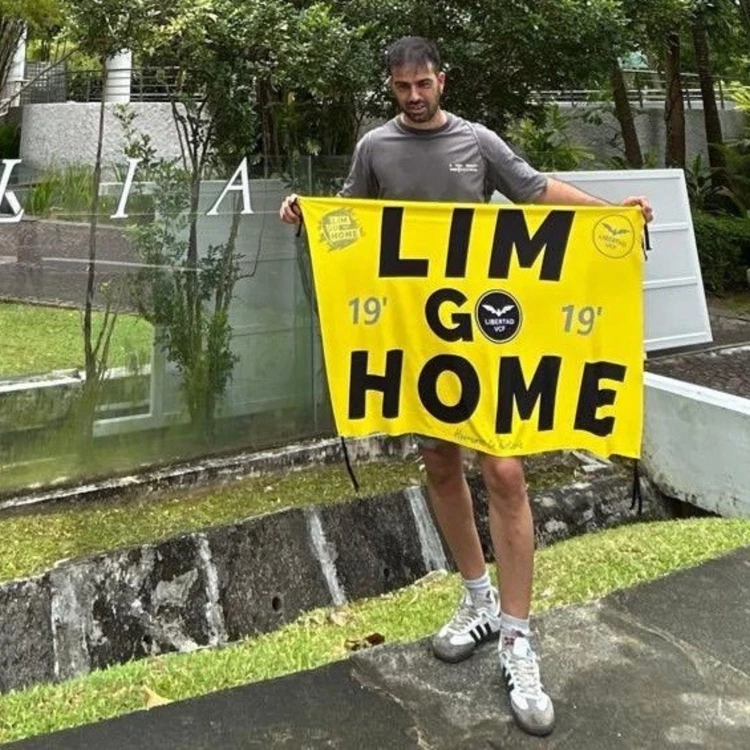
(477, 617)
(451, 502)
(512, 531)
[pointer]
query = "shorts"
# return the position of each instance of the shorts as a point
(423, 442)
(429, 443)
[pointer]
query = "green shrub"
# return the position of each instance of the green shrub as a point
(546, 143)
(64, 191)
(10, 141)
(723, 249)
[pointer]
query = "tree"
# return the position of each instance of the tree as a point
(656, 26)
(705, 13)
(624, 115)
(331, 80)
(499, 53)
(744, 9)
(211, 57)
(15, 16)
(103, 28)
(674, 103)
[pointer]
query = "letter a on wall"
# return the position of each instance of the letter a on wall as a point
(509, 330)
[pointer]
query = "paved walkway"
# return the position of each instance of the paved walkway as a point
(663, 665)
(728, 325)
(723, 364)
(726, 369)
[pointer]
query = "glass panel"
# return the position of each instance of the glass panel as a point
(176, 369)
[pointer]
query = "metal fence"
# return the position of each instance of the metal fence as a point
(52, 84)
(646, 88)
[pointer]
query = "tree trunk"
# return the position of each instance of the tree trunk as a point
(90, 391)
(193, 301)
(744, 9)
(710, 110)
(624, 115)
(674, 105)
(268, 126)
(88, 339)
(11, 31)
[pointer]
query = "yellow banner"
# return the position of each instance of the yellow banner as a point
(507, 329)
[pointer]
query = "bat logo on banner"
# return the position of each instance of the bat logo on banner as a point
(615, 232)
(495, 311)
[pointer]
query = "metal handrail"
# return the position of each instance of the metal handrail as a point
(62, 84)
(655, 91)
(147, 84)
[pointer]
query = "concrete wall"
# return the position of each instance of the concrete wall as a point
(46, 261)
(62, 134)
(696, 445)
(604, 140)
(66, 133)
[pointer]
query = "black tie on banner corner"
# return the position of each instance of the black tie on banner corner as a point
(344, 449)
(637, 494)
(646, 243)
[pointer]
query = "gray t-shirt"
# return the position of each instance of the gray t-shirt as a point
(458, 162)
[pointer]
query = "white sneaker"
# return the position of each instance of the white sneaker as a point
(532, 708)
(469, 627)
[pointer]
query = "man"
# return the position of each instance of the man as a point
(428, 154)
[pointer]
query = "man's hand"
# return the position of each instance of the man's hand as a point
(639, 200)
(289, 212)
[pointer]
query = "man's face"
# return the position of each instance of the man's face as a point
(417, 91)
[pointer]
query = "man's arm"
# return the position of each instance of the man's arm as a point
(558, 193)
(564, 194)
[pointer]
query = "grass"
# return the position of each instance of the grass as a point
(578, 570)
(31, 542)
(39, 339)
(736, 302)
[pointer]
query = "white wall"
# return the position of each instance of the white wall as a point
(696, 445)
(62, 134)
(600, 139)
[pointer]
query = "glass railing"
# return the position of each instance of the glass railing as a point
(191, 333)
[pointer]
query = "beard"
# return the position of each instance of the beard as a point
(423, 112)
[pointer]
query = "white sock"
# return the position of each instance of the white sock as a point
(510, 628)
(480, 590)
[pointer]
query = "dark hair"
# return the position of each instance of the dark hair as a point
(412, 50)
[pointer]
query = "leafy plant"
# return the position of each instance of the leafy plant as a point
(186, 297)
(10, 141)
(65, 192)
(723, 250)
(546, 143)
(706, 190)
(650, 161)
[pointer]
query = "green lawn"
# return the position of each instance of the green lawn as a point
(578, 570)
(37, 339)
(32, 542)
(733, 302)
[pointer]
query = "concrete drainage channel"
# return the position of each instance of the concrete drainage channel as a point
(220, 585)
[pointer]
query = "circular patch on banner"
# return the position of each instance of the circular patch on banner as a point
(614, 236)
(339, 229)
(499, 316)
